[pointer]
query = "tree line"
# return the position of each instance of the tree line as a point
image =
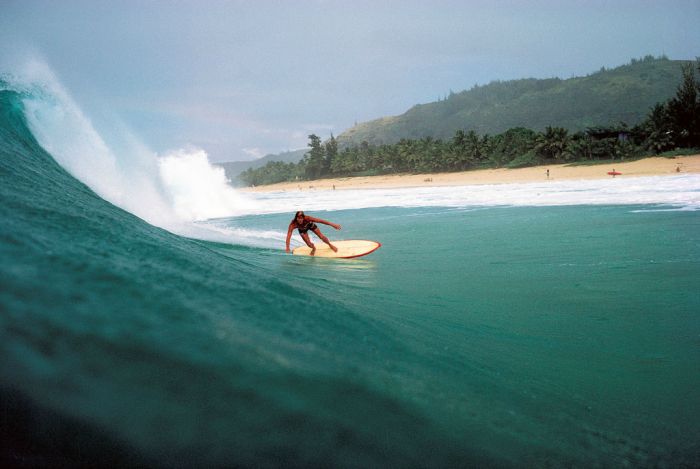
(672, 125)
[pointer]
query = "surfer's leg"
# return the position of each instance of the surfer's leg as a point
(307, 240)
(324, 239)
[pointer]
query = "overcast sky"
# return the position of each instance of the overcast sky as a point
(241, 79)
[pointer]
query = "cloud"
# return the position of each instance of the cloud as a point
(254, 153)
(262, 76)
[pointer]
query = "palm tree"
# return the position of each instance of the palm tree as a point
(684, 109)
(553, 144)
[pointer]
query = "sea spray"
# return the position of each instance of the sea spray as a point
(169, 191)
(199, 190)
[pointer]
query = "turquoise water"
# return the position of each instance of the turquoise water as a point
(497, 336)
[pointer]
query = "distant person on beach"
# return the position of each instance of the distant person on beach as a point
(305, 223)
(548, 174)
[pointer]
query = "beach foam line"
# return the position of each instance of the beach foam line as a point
(678, 191)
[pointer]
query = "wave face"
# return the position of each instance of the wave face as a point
(171, 350)
(480, 334)
(167, 190)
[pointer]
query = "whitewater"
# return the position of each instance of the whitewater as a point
(149, 315)
(181, 186)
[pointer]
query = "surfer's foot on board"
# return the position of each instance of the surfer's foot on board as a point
(335, 249)
(313, 251)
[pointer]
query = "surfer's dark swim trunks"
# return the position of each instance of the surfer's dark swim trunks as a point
(309, 225)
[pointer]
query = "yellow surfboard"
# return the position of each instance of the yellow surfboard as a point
(346, 249)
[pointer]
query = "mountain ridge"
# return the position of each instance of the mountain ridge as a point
(607, 97)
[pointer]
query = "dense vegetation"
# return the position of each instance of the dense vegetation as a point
(603, 98)
(670, 125)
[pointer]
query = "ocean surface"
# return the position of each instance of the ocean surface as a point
(149, 315)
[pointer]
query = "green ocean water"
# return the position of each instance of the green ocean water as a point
(487, 336)
(563, 335)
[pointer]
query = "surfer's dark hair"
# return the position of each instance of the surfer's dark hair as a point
(300, 212)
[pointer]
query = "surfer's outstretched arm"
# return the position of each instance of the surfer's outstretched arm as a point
(289, 236)
(325, 222)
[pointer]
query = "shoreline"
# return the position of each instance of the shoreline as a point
(652, 166)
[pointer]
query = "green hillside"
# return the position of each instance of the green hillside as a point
(234, 168)
(607, 97)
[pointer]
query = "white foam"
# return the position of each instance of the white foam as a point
(199, 190)
(168, 191)
(678, 191)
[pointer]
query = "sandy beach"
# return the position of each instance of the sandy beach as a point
(655, 166)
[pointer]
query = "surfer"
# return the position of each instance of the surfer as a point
(304, 224)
